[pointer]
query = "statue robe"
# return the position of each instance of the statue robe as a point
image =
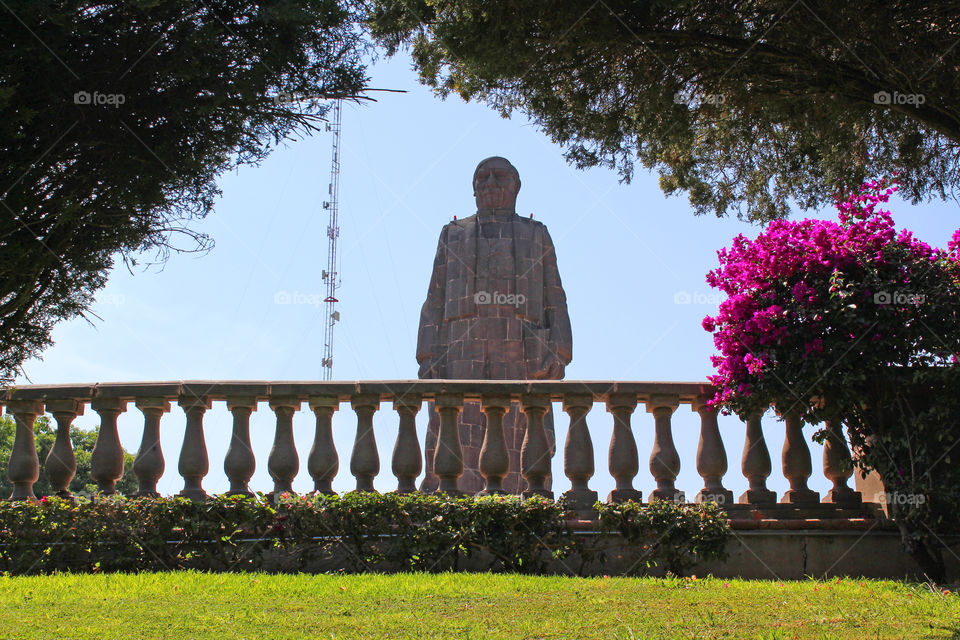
(495, 310)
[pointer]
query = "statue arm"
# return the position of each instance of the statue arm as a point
(556, 318)
(431, 315)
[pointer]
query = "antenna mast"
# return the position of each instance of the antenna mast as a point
(330, 275)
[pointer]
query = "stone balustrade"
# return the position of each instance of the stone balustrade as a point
(577, 399)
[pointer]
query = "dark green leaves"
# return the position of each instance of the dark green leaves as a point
(356, 532)
(116, 119)
(747, 107)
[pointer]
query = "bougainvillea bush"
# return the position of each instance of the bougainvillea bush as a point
(853, 321)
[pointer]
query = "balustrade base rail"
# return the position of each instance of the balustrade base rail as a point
(577, 398)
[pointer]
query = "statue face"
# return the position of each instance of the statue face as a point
(495, 184)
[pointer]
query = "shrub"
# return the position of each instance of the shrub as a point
(356, 532)
(853, 322)
(675, 536)
(432, 533)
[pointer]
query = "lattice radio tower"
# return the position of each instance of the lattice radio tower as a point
(331, 276)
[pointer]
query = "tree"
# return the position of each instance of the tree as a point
(117, 117)
(83, 443)
(853, 323)
(746, 106)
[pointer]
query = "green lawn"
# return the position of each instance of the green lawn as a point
(475, 606)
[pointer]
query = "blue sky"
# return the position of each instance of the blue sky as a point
(632, 262)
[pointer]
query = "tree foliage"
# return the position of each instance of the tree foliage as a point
(117, 117)
(45, 434)
(746, 106)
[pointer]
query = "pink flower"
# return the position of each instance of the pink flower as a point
(799, 289)
(814, 346)
(953, 246)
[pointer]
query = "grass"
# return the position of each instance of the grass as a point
(465, 606)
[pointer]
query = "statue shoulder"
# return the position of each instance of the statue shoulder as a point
(451, 226)
(536, 224)
(461, 223)
(459, 228)
(536, 228)
(469, 223)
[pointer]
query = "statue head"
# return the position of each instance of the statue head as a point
(495, 184)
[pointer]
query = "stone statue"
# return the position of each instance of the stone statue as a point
(495, 310)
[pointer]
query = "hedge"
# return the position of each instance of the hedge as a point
(356, 532)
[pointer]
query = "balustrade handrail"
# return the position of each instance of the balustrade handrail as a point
(533, 398)
(686, 392)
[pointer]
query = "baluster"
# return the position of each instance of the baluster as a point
(623, 460)
(323, 463)
(578, 452)
(838, 467)
(365, 461)
(194, 464)
(106, 460)
(535, 451)
(797, 465)
(711, 455)
(664, 459)
(61, 463)
(448, 458)
(149, 465)
(756, 464)
(494, 458)
(240, 461)
(283, 462)
(23, 470)
(407, 456)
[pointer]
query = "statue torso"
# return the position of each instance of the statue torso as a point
(490, 344)
(496, 264)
